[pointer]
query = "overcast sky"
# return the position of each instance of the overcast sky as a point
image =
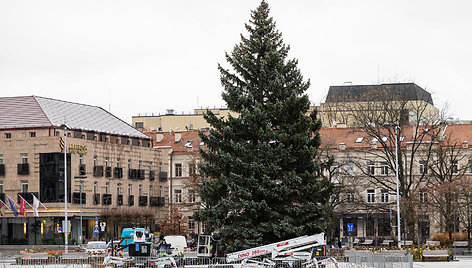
(142, 57)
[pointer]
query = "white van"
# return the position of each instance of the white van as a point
(178, 244)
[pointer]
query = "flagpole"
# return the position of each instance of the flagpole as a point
(25, 201)
(16, 205)
(41, 203)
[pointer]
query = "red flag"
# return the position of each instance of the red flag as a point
(22, 207)
(1, 205)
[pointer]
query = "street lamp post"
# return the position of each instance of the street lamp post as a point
(396, 128)
(65, 227)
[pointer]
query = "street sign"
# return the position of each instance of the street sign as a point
(59, 229)
(103, 225)
(95, 230)
(66, 228)
(350, 227)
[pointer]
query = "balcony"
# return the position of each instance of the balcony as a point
(143, 201)
(27, 196)
(82, 170)
(96, 199)
(119, 200)
(106, 199)
(152, 175)
(2, 169)
(154, 201)
(23, 169)
(162, 176)
(118, 173)
(141, 174)
(161, 201)
(76, 198)
(131, 200)
(98, 171)
(108, 172)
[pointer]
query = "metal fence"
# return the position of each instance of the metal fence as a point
(378, 260)
(360, 259)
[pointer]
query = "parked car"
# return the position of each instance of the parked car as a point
(96, 247)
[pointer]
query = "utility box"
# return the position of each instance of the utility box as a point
(140, 249)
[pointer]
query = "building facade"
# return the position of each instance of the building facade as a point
(110, 167)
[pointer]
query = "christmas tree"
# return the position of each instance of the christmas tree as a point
(262, 181)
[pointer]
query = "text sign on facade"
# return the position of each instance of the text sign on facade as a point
(73, 148)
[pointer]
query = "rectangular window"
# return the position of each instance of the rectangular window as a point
(95, 187)
(178, 170)
(1, 159)
(370, 196)
(192, 196)
(423, 169)
(7, 135)
(178, 196)
(423, 196)
(160, 191)
(349, 197)
(191, 225)
(139, 124)
(1, 187)
(118, 163)
(384, 169)
(371, 168)
(203, 227)
(32, 134)
(140, 164)
(454, 167)
(160, 166)
(129, 163)
(384, 196)
(81, 160)
(130, 189)
(191, 169)
(107, 160)
(24, 158)
(107, 187)
(24, 187)
(150, 190)
(118, 188)
(95, 160)
(140, 190)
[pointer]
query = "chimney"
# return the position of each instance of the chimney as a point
(178, 136)
(465, 145)
(342, 146)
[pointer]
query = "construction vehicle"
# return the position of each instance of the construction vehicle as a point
(303, 251)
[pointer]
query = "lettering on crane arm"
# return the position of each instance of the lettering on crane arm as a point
(282, 244)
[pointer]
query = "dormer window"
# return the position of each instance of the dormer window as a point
(188, 144)
(402, 138)
(384, 138)
(359, 139)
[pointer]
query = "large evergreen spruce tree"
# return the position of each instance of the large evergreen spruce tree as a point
(262, 183)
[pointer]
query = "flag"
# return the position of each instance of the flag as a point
(1, 205)
(12, 207)
(22, 207)
(35, 206)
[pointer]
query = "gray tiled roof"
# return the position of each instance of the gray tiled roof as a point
(400, 91)
(33, 111)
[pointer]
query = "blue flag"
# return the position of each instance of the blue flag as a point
(12, 207)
